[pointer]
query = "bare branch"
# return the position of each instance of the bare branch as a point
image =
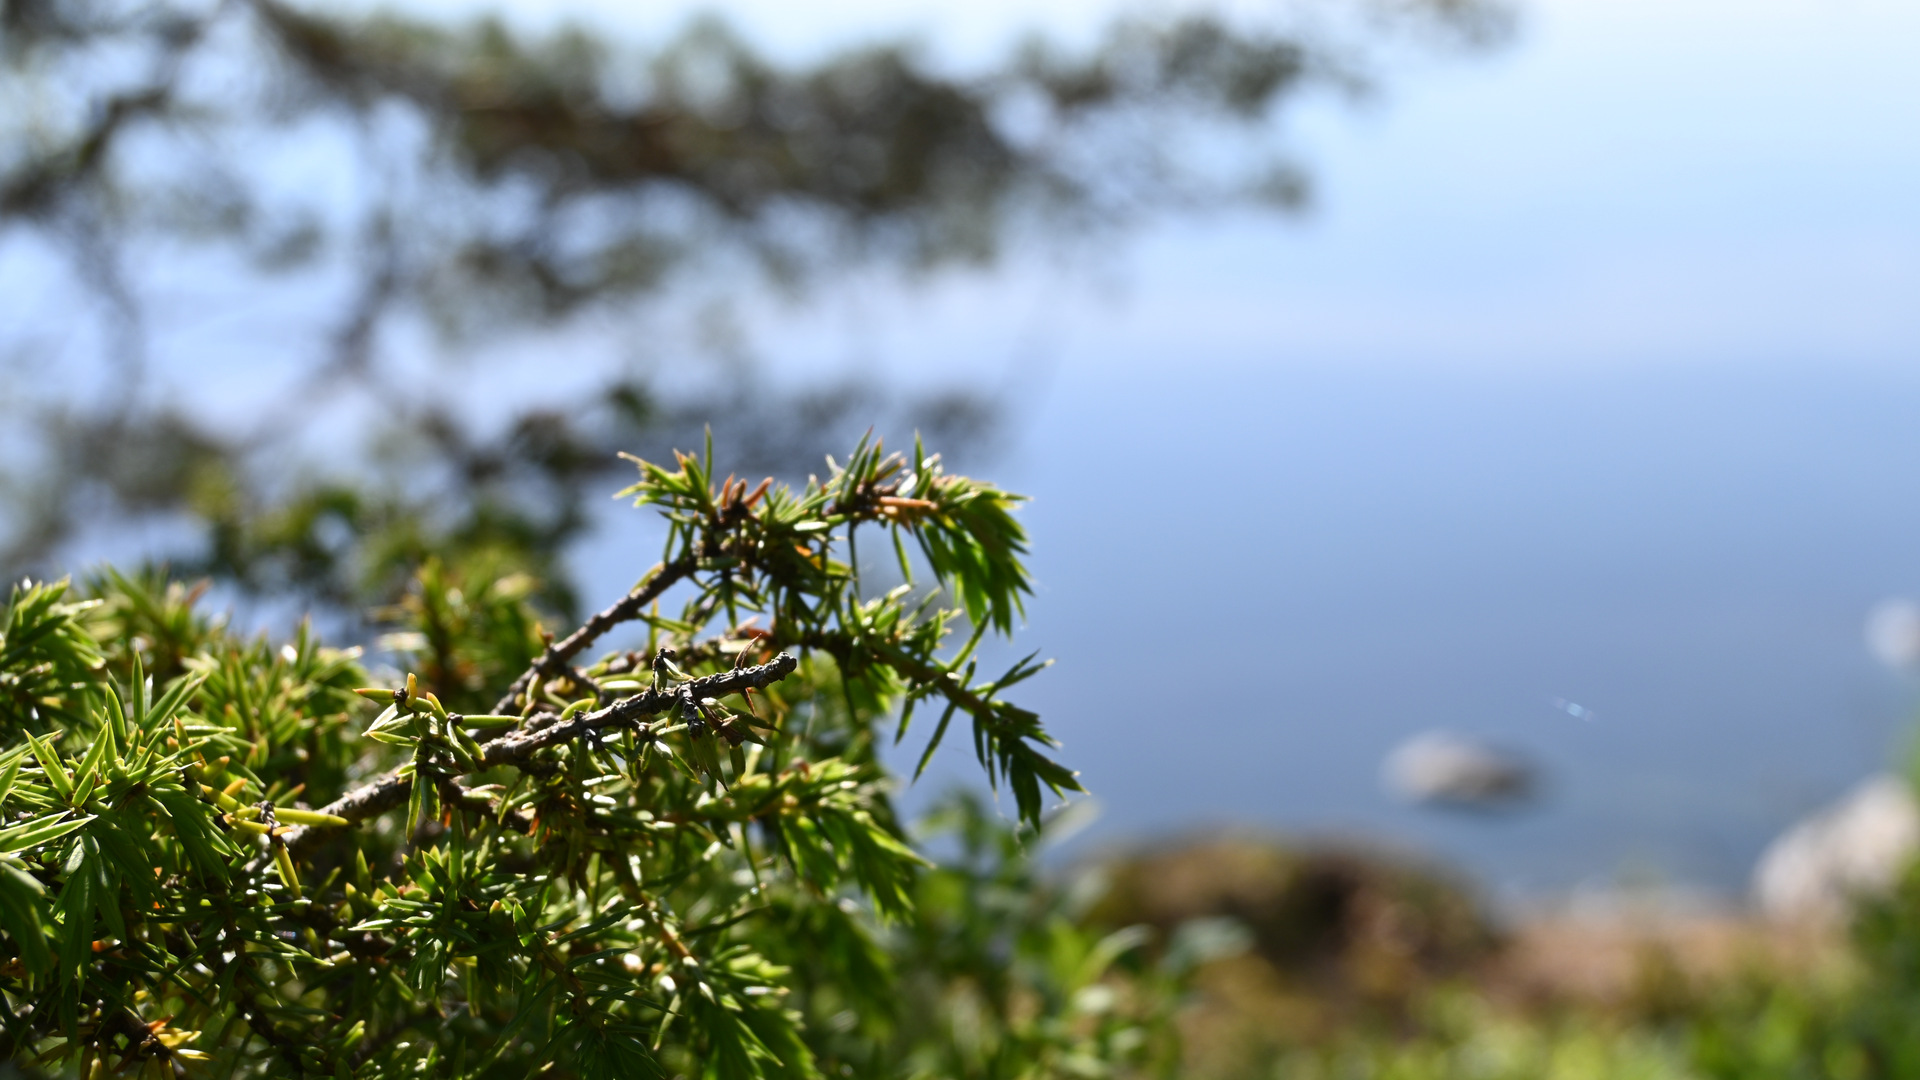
(561, 653)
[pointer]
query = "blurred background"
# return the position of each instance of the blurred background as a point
(1507, 409)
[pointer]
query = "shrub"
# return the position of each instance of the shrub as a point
(221, 858)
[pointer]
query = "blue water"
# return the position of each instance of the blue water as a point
(1257, 585)
(1259, 581)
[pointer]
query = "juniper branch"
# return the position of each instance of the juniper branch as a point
(560, 654)
(515, 747)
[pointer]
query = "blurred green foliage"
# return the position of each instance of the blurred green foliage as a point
(1844, 1011)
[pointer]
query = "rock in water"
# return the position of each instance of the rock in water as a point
(1857, 846)
(1449, 770)
(1893, 633)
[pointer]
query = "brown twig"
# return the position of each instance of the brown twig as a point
(517, 746)
(560, 654)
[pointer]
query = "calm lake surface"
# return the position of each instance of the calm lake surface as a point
(1259, 582)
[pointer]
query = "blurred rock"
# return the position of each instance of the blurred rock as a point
(1358, 923)
(1856, 847)
(1440, 768)
(1893, 633)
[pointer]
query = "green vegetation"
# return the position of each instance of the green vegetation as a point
(1390, 981)
(232, 856)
